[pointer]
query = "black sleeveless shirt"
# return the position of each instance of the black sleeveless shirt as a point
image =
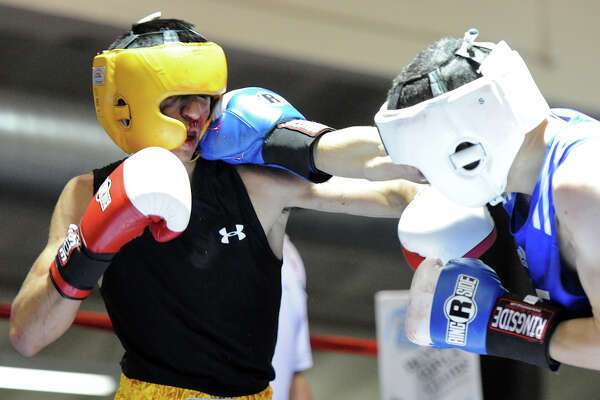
(199, 312)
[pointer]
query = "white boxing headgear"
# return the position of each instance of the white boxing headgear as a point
(464, 141)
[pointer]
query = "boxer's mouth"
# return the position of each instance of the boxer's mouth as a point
(191, 137)
(193, 131)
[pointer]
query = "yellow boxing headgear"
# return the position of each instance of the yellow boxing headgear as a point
(130, 84)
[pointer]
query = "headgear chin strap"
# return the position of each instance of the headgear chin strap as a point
(464, 141)
(129, 84)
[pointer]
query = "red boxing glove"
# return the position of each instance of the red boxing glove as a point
(432, 226)
(149, 189)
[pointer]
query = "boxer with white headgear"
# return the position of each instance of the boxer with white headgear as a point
(465, 139)
(469, 116)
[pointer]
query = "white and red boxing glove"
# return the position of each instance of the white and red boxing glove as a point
(149, 189)
(433, 226)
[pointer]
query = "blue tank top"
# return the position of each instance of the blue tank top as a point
(534, 227)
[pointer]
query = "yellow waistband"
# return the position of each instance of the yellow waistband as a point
(133, 389)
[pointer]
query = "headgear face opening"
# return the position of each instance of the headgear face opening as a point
(129, 85)
(464, 141)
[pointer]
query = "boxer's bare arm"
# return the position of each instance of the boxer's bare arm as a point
(300, 388)
(383, 199)
(357, 152)
(39, 314)
(272, 190)
(576, 194)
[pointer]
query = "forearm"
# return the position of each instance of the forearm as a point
(346, 152)
(39, 314)
(357, 152)
(577, 342)
(383, 199)
(299, 389)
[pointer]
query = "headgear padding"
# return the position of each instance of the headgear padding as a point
(464, 141)
(130, 84)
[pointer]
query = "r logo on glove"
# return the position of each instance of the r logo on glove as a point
(462, 304)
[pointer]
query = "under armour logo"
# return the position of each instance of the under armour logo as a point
(226, 235)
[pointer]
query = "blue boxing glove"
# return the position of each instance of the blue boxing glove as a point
(258, 126)
(463, 305)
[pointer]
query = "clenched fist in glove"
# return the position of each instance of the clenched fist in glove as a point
(462, 304)
(433, 226)
(257, 126)
(150, 189)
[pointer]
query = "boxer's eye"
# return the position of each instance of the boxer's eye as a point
(169, 102)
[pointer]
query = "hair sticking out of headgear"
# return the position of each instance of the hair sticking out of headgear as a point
(170, 36)
(478, 127)
(436, 82)
(154, 31)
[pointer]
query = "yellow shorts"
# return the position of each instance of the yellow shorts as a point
(132, 389)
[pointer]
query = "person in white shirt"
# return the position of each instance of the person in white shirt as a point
(292, 352)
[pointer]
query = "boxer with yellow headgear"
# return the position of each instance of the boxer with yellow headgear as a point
(142, 69)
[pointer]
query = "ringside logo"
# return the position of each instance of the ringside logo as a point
(461, 309)
(103, 195)
(71, 243)
(520, 319)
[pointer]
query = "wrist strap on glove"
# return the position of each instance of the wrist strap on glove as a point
(520, 329)
(76, 270)
(290, 145)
